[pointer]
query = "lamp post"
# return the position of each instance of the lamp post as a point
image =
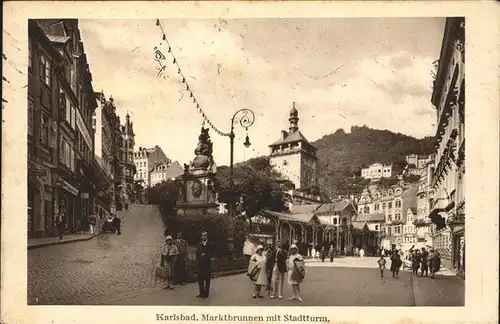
(245, 117)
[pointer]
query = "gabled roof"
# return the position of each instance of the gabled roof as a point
(335, 206)
(374, 217)
(292, 217)
(304, 209)
(293, 137)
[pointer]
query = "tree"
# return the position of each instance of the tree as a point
(165, 194)
(256, 186)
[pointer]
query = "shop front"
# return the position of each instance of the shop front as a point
(66, 204)
(39, 202)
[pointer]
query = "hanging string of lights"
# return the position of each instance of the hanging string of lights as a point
(159, 57)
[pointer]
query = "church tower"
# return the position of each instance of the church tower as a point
(294, 156)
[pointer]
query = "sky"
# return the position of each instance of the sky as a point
(339, 72)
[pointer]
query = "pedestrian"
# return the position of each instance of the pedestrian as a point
(381, 265)
(323, 254)
(60, 227)
(424, 263)
(204, 255)
(180, 263)
(395, 263)
(296, 272)
(117, 225)
(269, 267)
(278, 258)
(259, 278)
(331, 253)
(361, 253)
(166, 232)
(415, 262)
(434, 262)
(169, 255)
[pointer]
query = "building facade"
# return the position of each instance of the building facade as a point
(295, 158)
(145, 159)
(165, 171)
(128, 169)
(377, 171)
(43, 128)
(447, 206)
(104, 117)
(60, 143)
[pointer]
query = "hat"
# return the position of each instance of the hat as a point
(169, 238)
(259, 247)
(294, 246)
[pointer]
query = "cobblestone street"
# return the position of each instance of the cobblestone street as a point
(105, 267)
(326, 284)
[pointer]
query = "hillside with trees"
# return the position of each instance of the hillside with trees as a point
(342, 156)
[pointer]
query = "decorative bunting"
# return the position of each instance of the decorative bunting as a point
(188, 88)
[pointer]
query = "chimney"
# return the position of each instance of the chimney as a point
(284, 134)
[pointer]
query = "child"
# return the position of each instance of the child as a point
(381, 265)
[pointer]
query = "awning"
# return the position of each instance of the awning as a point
(438, 215)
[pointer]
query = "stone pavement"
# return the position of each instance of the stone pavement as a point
(326, 284)
(46, 241)
(92, 271)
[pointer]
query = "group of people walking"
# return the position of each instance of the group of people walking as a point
(268, 267)
(174, 262)
(423, 260)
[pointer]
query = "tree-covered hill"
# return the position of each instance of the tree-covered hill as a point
(342, 155)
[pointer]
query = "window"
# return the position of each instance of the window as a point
(366, 210)
(44, 129)
(398, 203)
(398, 216)
(45, 69)
(383, 206)
(389, 217)
(30, 54)
(377, 207)
(389, 205)
(68, 111)
(30, 118)
(73, 116)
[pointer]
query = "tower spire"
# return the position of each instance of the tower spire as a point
(294, 119)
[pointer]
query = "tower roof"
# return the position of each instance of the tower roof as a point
(293, 137)
(294, 112)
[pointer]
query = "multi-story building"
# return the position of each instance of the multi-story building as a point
(104, 117)
(295, 158)
(145, 159)
(448, 96)
(165, 171)
(60, 108)
(377, 171)
(128, 166)
(43, 128)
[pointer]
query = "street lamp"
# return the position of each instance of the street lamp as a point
(245, 117)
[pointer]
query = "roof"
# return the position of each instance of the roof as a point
(373, 217)
(413, 210)
(58, 39)
(302, 218)
(358, 225)
(335, 206)
(304, 209)
(293, 137)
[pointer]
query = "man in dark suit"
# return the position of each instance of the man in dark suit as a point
(278, 265)
(204, 255)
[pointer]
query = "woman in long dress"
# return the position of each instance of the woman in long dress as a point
(296, 271)
(258, 262)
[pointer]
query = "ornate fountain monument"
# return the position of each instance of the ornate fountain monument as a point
(196, 187)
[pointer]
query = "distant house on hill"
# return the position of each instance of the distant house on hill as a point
(377, 171)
